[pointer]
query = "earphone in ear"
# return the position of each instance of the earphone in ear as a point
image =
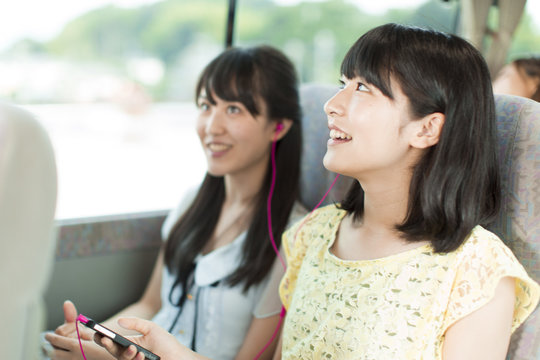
(279, 127)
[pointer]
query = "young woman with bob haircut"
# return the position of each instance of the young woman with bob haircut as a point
(402, 269)
(211, 286)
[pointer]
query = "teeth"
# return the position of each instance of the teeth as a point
(218, 147)
(335, 134)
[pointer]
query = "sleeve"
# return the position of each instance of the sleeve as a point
(269, 303)
(485, 261)
(294, 243)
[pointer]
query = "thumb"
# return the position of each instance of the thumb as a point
(70, 312)
(143, 327)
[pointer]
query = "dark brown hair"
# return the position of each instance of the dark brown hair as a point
(456, 184)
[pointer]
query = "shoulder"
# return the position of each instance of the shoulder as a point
(318, 221)
(483, 260)
(485, 246)
(325, 217)
(314, 227)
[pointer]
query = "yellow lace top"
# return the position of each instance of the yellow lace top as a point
(397, 307)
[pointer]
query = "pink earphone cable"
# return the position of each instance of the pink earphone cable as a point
(269, 203)
(80, 318)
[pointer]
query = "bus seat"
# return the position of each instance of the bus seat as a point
(518, 223)
(314, 178)
(27, 204)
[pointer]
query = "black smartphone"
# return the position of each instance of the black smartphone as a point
(117, 338)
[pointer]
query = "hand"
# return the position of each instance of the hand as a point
(68, 328)
(154, 338)
(64, 341)
(67, 348)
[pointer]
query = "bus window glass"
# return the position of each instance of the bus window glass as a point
(112, 80)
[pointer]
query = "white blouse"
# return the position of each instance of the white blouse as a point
(215, 317)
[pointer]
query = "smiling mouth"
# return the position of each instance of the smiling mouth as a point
(218, 148)
(339, 135)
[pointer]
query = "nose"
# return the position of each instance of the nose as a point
(214, 123)
(334, 105)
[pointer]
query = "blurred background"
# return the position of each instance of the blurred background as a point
(113, 80)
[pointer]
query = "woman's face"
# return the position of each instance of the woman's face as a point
(510, 80)
(369, 132)
(234, 141)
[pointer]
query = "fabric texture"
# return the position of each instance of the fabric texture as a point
(397, 307)
(28, 189)
(518, 223)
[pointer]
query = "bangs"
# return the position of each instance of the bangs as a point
(372, 57)
(231, 77)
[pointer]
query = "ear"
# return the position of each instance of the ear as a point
(280, 128)
(427, 131)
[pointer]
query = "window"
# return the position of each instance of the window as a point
(112, 80)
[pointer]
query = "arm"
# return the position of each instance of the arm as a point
(65, 340)
(485, 333)
(277, 354)
(258, 336)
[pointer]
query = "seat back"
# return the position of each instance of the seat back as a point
(27, 205)
(518, 223)
(315, 180)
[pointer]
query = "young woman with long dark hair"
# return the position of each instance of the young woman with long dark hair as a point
(211, 286)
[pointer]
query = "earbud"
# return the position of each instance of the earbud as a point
(279, 127)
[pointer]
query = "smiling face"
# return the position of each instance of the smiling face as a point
(369, 132)
(234, 141)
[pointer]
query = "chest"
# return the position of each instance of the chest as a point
(385, 308)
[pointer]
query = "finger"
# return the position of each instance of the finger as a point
(70, 330)
(108, 344)
(129, 354)
(139, 325)
(70, 312)
(58, 341)
(67, 329)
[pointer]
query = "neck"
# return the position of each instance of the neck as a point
(385, 202)
(385, 209)
(242, 189)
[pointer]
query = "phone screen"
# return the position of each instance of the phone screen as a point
(117, 338)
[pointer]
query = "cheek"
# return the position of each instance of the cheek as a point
(200, 127)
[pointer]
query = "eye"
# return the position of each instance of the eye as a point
(341, 84)
(361, 87)
(204, 106)
(233, 109)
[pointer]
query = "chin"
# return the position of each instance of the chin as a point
(215, 172)
(329, 162)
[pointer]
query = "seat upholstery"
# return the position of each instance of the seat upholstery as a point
(518, 223)
(27, 204)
